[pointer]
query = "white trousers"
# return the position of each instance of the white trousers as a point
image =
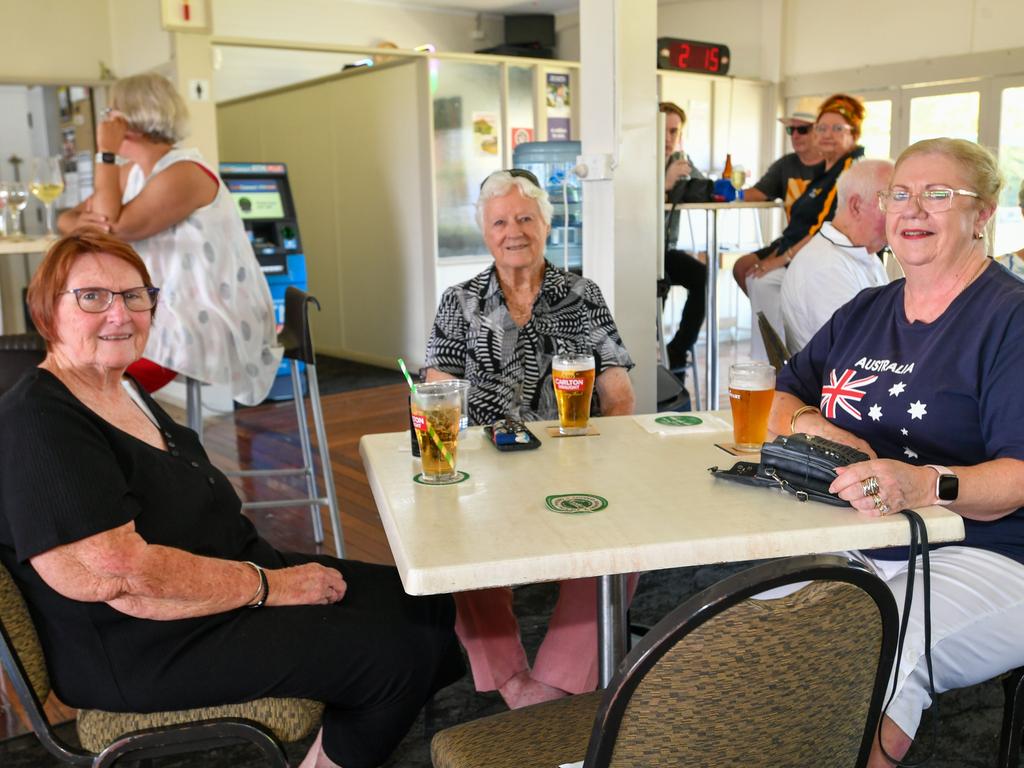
(765, 296)
(977, 614)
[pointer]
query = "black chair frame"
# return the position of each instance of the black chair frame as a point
(718, 598)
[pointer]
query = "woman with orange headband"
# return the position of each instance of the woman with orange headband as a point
(759, 274)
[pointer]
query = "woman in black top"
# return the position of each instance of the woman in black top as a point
(138, 567)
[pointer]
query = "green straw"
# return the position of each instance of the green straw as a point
(430, 427)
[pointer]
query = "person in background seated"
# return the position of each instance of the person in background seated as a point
(149, 588)
(500, 331)
(1014, 260)
(681, 268)
(931, 369)
(788, 177)
(216, 322)
(842, 257)
(760, 274)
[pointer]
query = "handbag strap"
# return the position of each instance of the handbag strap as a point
(918, 545)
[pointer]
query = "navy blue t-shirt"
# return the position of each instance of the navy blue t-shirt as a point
(946, 392)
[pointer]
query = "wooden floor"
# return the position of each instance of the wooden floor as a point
(265, 437)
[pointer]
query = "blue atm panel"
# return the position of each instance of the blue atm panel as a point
(264, 200)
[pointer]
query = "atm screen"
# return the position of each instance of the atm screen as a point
(257, 199)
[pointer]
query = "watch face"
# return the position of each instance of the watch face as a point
(949, 487)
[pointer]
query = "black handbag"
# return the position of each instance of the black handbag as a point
(803, 465)
(692, 191)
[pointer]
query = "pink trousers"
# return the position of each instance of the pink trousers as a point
(567, 657)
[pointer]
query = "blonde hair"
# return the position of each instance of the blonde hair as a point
(978, 163)
(152, 106)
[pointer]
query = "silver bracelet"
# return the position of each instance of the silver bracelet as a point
(263, 591)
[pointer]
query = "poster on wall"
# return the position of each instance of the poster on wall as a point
(558, 129)
(485, 133)
(521, 136)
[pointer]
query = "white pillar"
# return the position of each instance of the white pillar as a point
(621, 209)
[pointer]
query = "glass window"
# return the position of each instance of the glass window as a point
(947, 114)
(876, 131)
(1009, 234)
(522, 124)
(467, 136)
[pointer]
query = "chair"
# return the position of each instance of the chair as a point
(18, 353)
(297, 341)
(109, 736)
(667, 392)
(778, 354)
(721, 680)
(1013, 719)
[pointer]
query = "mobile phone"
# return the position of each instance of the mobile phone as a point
(511, 435)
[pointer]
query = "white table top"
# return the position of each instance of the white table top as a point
(31, 245)
(731, 206)
(664, 510)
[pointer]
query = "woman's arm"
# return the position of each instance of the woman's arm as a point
(147, 581)
(785, 405)
(988, 491)
(616, 392)
(81, 217)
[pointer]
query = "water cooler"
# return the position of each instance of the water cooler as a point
(552, 163)
(264, 200)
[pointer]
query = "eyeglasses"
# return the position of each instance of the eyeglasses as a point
(931, 200)
(519, 173)
(837, 128)
(803, 130)
(96, 300)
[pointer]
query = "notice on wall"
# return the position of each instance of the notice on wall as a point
(558, 129)
(521, 136)
(485, 133)
(558, 96)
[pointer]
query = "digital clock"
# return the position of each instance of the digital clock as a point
(693, 56)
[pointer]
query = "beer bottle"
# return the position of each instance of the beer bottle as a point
(727, 170)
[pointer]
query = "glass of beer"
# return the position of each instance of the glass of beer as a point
(436, 408)
(573, 378)
(751, 390)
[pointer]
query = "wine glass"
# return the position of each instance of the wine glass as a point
(738, 179)
(47, 184)
(17, 199)
(3, 209)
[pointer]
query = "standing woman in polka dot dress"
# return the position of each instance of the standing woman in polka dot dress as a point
(216, 318)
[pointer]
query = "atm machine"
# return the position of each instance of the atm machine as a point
(264, 200)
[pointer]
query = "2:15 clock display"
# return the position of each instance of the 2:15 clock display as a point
(693, 56)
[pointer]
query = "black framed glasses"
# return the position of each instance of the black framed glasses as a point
(96, 300)
(516, 173)
(931, 200)
(803, 130)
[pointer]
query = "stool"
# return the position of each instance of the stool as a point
(297, 341)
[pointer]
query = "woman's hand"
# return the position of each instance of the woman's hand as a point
(308, 584)
(111, 132)
(899, 486)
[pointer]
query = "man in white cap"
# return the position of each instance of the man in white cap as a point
(788, 177)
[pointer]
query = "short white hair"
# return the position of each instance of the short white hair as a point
(865, 178)
(500, 183)
(152, 106)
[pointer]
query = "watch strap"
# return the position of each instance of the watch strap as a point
(107, 158)
(942, 472)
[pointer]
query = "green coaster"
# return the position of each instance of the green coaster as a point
(679, 421)
(460, 476)
(575, 503)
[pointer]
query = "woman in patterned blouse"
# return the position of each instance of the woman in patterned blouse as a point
(500, 330)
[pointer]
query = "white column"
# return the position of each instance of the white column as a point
(621, 209)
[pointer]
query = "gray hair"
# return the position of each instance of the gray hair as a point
(152, 106)
(864, 178)
(500, 183)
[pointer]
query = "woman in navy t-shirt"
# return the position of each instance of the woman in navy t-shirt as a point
(924, 374)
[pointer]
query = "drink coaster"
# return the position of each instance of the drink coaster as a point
(553, 432)
(575, 503)
(681, 420)
(731, 448)
(459, 477)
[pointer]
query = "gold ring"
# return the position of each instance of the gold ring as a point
(870, 486)
(879, 504)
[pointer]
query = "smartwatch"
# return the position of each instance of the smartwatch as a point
(947, 486)
(108, 158)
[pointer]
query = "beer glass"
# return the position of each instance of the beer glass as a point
(435, 417)
(751, 390)
(573, 378)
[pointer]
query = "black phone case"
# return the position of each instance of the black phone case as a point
(534, 441)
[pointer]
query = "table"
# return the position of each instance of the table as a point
(664, 511)
(712, 212)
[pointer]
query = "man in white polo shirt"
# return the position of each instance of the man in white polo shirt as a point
(842, 258)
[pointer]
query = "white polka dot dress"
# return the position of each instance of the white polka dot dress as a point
(215, 319)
